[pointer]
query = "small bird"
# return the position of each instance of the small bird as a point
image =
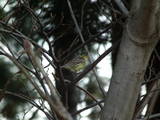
(76, 64)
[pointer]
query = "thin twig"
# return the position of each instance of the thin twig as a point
(86, 48)
(86, 43)
(153, 116)
(91, 66)
(28, 99)
(88, 107)
(146, 98)
(90, 95)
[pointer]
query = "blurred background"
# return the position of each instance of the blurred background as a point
(101, 24)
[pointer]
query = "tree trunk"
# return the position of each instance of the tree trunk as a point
(139, 39)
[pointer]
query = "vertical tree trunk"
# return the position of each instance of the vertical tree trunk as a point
(139, 39)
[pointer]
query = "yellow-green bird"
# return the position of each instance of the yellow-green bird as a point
(76, 64)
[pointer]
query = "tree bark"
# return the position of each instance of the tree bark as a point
(139, 39)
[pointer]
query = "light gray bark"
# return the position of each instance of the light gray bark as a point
(139, 39)
(122, 7)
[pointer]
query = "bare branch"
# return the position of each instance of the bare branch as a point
(88, 107)
(122, 7)
(86, 48)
